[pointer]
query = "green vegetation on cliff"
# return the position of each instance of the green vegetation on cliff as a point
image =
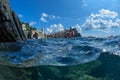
(27, 26)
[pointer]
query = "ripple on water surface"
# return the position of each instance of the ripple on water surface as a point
(56, 52)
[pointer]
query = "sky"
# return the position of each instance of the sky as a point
(99, 18)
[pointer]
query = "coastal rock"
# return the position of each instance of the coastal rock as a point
(10, 26)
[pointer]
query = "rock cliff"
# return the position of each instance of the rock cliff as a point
(10, 26)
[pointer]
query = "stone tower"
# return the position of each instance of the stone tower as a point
(42, 30)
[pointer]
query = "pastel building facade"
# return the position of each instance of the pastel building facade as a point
(71, 33)
(32, 33)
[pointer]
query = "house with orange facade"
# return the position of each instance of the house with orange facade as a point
(71, 33)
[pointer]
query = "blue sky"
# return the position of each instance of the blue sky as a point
(91, 17)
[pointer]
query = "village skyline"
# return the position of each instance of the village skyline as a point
(54, 16)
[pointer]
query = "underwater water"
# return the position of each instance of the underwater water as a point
(61, 59)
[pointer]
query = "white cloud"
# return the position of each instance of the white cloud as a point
(32, 23)
(20, 15)
(104, 19)
(78, 28)
(118, 21)
(54, 17)
(107, 13)
(55, 28)
(84, 3)
(79, 19)
(108, 31)
(45, 17)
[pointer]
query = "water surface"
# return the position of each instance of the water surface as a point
(61, 59)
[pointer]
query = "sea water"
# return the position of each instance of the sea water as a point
(61, 59)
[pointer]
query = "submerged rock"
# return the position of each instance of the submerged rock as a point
(10, 27)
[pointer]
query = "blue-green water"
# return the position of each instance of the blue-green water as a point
(61, 59)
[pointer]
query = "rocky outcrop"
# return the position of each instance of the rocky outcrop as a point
(10, 26)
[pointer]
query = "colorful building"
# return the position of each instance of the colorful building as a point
(71, 33)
